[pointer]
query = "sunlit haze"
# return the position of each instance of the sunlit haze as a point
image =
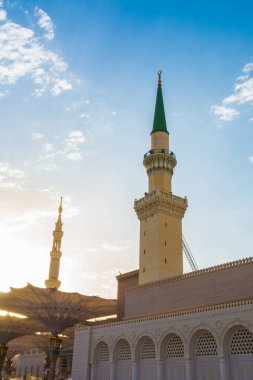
(77, 96)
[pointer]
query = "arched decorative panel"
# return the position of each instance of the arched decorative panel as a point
(147, 362)
(103, 354)
(240, 352)
(206, 345)
(174, 347)
(123, 360)
(173, 354)
(241, 342)
(124, 350)
(205, 351)
(102, 364)
(147, 349)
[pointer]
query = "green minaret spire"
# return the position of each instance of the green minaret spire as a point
(159, 124)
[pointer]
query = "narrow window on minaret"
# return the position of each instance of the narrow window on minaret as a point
(165, 243)
(143, 270)
(144, 251)
(165, 261)
(165, 224)
(144, 233)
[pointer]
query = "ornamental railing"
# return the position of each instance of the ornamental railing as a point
(157, 192)
(157, 151)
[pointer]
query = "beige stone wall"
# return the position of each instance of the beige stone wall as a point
(125, 281)
(224, 283)
(159, 140)
(160, 253)
(159, 180)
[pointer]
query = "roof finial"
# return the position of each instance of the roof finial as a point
(159, 77)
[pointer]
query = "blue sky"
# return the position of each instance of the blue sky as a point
(77, 95)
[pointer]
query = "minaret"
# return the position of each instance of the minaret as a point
(160, 212)
(55, 254)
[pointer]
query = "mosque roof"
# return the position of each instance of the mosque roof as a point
(54, 309)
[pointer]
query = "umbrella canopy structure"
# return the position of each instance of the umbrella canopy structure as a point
(54, 309)
(12, 327)
(28, 342)
(50, 309)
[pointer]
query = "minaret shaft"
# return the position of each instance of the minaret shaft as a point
(160, 212)
(55, 254)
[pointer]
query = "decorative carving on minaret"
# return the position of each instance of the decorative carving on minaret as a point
(160, 201)
(55, 254)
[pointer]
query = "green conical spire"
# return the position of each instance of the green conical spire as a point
(159, 124)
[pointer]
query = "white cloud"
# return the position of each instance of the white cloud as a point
(248, 68)
(105, 277)
(96, 275)
(37, 136)
(108, 129)
(60, 86)
(242, 94)
(69, 148)
(48, 147)
(23, 55)
(71, 262)
(3, 94)
(72, 145)
(45, 23)
(75, 156)
(251, 158)
(84, 115)
(11, 178)
(49, 155)
(74, 139)
(3, 15)
(113, 247)
(20, 215)
(79, 104)
(25, 220)
(225, 113)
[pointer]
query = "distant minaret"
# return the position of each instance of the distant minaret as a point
(160, 212)
(55, 254)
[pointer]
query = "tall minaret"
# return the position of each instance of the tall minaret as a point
(55, 254)
(160, 212)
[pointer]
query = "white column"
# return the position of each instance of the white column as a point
(92, 372)
(112, 370)
(188, 366)
(223, 369)
(134, 371)
(159, 369)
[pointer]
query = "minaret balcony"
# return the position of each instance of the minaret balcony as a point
(159, 159)
(159, 151)
(160, 201)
